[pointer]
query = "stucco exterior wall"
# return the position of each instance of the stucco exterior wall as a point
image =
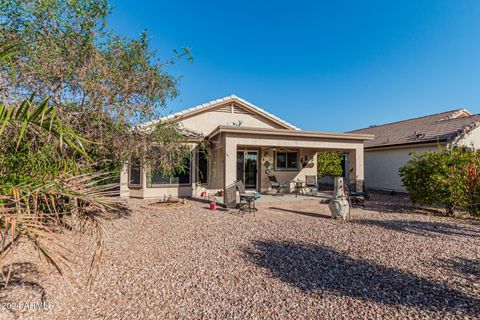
(207, 121)
(381, 167)
(251, 141)
(222, 164)
(159, 192)
(308, 167)
(471, 139)
(215, 169)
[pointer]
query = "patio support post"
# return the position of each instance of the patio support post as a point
(230, 173)
(124, 192)
(355, 164)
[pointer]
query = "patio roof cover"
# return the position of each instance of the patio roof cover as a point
(231, 137)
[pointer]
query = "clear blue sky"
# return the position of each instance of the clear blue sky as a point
(321, 65)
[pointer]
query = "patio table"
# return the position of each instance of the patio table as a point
(299, 186)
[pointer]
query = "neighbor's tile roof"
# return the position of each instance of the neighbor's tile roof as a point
(443, 126)
(230, 98)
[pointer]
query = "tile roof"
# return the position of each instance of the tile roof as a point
(444, 126)
(230, 98)
(190, 133)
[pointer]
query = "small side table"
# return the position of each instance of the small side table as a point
(299, 187)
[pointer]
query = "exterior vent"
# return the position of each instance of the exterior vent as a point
(235, 123)
(226, 109)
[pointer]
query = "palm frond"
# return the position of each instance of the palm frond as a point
(40, 211)
(43, 117)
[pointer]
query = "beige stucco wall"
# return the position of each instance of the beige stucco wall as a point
(233, 140)
(207, 121)
(215, 168)
(381, 167)
(267, 154)
(222, 164)
(471, 139)
(157, 192)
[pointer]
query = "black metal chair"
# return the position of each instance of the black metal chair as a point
(247, 200)
(311, 184)
(277, 185)
(357, 197)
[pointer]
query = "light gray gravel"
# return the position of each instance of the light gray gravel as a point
(290, 262)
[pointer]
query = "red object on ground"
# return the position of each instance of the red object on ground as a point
(213, 206)
(203, 194)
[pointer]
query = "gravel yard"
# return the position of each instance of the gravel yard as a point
(288, 262)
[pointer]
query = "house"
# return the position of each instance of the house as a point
(246, 143)
(394, 142)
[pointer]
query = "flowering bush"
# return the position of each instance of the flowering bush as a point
(450, 178)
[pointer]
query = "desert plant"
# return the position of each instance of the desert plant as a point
(38, 204)
(42, 212)
(43, 117)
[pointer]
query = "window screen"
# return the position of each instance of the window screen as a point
(286, 160)
(135, 173)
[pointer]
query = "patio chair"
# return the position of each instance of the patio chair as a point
(277, 185)
(247, 200)
(356, 197)
(311, 184)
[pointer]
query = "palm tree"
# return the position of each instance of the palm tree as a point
(42, 208)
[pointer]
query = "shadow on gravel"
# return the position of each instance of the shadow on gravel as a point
(426, 228)
(18, 279)
(303, 213)
(320, 269)
(464, 266)
(121, 211)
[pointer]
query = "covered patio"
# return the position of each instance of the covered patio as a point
(289, 155)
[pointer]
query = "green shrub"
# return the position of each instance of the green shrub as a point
(329, 164)
(450, 178)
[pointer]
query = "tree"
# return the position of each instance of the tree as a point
(41, 196)
(92, 89)
(329, 164)
(102, 84)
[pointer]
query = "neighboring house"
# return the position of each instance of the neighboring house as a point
(246, 143)
(394, 142)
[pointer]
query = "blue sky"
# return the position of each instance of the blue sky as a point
(321, 65)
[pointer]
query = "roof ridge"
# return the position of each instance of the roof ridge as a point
(415, 118)
(216, 101)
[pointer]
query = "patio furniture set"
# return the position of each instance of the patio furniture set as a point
(299, 186)
(309, 186)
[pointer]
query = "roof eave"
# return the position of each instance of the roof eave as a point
(284, 132)
(406, 144)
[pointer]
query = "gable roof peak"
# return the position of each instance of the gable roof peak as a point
(231, 98)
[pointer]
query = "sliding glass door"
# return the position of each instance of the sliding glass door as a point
(247, 168)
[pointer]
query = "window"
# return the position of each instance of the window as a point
(286, 160)
(134, 176)
(202, 173)
(182, 177)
